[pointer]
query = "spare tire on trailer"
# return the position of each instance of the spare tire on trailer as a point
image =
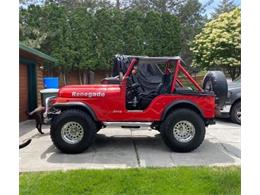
(216, 81)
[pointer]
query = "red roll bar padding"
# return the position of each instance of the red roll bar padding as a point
(133, 62)
(174, 79)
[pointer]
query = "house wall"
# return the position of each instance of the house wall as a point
(30, 80)
(39, 77)
(23, 91)
(99, 75)
(73, 78)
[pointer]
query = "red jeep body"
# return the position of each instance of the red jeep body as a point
(106, 103)
(111, 104)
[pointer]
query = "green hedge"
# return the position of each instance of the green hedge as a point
(79, 38)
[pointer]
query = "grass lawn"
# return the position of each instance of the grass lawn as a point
(161, 181)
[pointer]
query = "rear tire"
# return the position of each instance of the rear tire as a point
(235, 114)
(185, 122)
(73, 131)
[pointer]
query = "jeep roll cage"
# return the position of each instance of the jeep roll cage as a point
(139, 60)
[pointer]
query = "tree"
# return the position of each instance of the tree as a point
(192, 19)
(224, 6)
(162, 34)
(218, 46)
(85, 39)
(134, 35)
(166, 5)
(108, 28)
(54, 22)
(29, 29)
(89, 4)
(191, 14)
(161, 6)
(25, 3)
(140, 5)
(81, 22)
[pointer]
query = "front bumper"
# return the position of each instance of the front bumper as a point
(49, 111)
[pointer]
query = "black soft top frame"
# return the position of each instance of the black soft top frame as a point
(154, 60)
(121, 62)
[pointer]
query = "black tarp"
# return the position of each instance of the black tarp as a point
(149, 76)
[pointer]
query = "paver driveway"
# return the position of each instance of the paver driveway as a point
(123, 148)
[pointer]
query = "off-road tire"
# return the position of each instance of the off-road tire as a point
(233, 112)
(84, 120)
(218, 84)
(173, 118)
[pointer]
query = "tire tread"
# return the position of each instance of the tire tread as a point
(166, 130)
(65, 116)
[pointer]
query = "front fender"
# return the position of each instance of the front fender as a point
(76, 105)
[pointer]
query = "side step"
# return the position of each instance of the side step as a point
(128, 124)
(127, 127)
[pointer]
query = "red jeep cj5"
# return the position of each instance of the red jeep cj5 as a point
(138, 95)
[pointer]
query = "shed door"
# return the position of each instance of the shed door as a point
(32, 87)
(23, 91)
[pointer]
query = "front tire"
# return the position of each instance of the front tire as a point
(183, 130)
(73, 131)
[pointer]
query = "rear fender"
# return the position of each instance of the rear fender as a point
(181, 104)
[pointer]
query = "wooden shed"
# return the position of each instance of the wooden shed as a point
(31, 63)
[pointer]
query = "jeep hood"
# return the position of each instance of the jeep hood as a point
(88, 91)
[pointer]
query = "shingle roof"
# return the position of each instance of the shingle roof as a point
(37, 53)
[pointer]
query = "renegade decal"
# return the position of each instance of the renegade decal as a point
(88, 94)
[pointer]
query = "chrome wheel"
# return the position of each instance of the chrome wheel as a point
(72, 132)
(184, 131)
